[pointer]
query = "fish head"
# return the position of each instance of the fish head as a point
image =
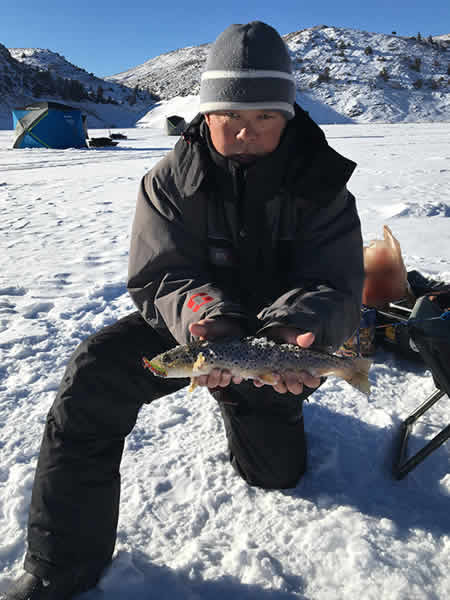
(176, 362)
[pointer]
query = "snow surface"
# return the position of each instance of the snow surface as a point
(189, 528)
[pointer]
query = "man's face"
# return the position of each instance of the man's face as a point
(245, 135)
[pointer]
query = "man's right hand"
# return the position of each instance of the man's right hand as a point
(211, 329)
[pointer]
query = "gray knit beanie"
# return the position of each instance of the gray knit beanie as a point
(248, 67)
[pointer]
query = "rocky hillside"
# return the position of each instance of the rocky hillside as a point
(36, 74)
(343, 74)
(176, 73)
(15, 82)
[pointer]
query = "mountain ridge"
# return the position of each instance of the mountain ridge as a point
(358, 76)
(342, 75)
(39, 74)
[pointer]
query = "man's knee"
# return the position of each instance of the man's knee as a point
(105, 384)
(267, 444)
(278, 477)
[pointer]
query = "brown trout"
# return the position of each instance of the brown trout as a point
(257, 358)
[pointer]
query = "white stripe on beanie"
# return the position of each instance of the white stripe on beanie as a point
(247, 74)
(207, 107)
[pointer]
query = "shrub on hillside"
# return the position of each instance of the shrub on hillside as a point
(416, 64)
(324, 76)
(384, 74)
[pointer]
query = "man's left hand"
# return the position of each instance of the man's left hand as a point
(291, 381)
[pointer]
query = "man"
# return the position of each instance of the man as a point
(246, 227)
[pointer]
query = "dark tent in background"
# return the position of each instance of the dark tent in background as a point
(48, 125)
(175, 125)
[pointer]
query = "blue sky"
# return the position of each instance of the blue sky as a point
(109, 36)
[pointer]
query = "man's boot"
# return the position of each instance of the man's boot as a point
(63, 586)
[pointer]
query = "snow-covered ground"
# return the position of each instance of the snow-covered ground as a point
(189, 528)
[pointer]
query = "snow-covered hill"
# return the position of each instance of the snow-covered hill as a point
(43, 59)
(176, 73)
(14, 78)
(39, 74)
(442, 39)
(342, 75)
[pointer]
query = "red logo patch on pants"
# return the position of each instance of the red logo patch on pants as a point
(198, 300)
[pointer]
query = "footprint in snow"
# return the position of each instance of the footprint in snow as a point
(12, 291)
(428, 209)
(35, 310)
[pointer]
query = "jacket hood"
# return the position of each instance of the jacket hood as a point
(314, 170)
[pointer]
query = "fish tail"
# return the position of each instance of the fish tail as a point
(358, 375)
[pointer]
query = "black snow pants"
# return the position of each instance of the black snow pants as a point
(75, 501)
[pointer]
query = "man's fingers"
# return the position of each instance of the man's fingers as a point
(291, 335)
(225, 378)
(210, 329)
(214, 378)
(293, 383)
(305, 340)
(290, 382)
(201, 380)
(258, 383)
(217, 378)
(200, 329)
(310, 380)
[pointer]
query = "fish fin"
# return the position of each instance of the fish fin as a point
(199, 362)
(146, 363)
(358, 376)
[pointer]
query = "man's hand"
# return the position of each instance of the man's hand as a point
(211, 329)
(291, 381)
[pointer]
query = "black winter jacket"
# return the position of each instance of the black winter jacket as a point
(275, 243)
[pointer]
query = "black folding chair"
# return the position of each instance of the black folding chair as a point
(430, 334)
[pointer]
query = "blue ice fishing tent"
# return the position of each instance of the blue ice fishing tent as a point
(48, 125)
